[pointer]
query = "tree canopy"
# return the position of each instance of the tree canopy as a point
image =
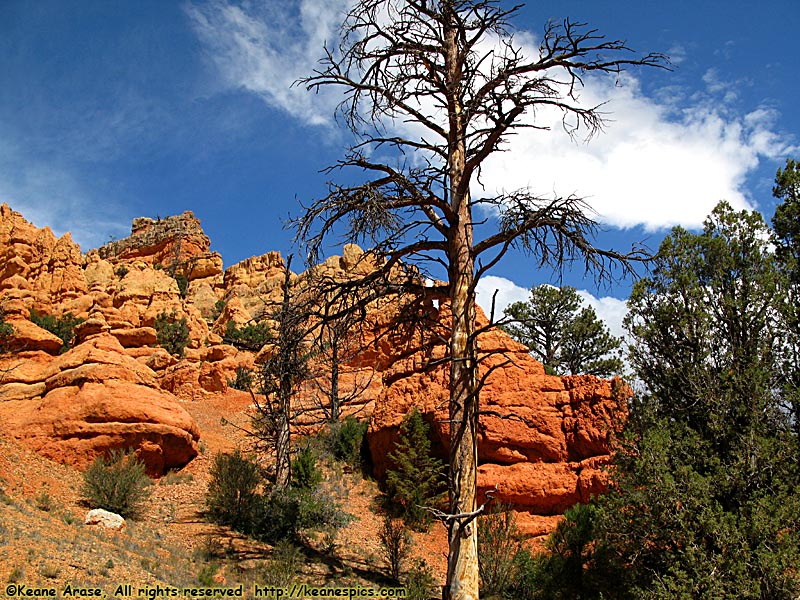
(565, 336)
(706, 495)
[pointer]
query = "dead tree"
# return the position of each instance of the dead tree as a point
(453, 70)
(282, 373)
(337, 343)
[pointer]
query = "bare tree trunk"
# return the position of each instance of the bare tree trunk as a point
(462, 562)
(283, 461)
(334, 393)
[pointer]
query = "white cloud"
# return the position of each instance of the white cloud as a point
(265, 48)
(508, 292)
(659, 162)
(610, 310)
(654, 165)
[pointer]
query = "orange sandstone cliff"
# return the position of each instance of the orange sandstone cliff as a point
(543, 439)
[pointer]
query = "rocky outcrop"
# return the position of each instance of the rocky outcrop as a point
(38, 268)
(543, 440)
(175, 244)
(90, 400)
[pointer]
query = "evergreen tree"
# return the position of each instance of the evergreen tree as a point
(566, 338)
(415, 481)
(786, 221)
(172, 333)
(786, 224)
(6, 330)
(707, 498)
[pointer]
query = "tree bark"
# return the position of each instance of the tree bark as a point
(334, 394)
(462, 563)
(283, 459)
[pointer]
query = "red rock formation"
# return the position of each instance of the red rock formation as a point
(37, 267)
(542, 443)
(176, 244)
(543, 440)
(98, 395)
(92, 399)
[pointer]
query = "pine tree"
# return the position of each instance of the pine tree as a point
(786, 223)
(707, 499)
(415, 482)
(567, 338)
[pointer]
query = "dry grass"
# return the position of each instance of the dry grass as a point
(43, 540)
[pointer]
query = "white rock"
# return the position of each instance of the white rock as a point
(107, 519)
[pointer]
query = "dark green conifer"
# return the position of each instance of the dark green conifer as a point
(415, 481)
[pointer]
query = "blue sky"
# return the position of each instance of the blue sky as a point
(111, 110)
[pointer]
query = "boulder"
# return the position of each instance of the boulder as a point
(29, 336)
(104, 518)
(93, 399)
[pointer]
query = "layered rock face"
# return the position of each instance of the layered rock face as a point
(94, 397)
(105, 392)
(176, 244)
(542, 441)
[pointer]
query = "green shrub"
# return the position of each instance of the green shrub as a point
(415, 481)
(499, 542)
(420, 583)
(561, 571)
(305, 473)
(283, 565)
(183, 284)
(6, 330)
(396, 544)
(347, 440)
(172, 333)
(253, 336)
(205, 577)
(527, 577)
(62, 327)
(49, 570)
(44, 502)
(232, 492)
(279, 513)
(16, 575)
(243, 380)
(219, 306)
(116, 483)
(284, 513)
(175, 477)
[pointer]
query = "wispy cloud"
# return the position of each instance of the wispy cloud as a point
(49, 195)
(266, 48)
(659, 162)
